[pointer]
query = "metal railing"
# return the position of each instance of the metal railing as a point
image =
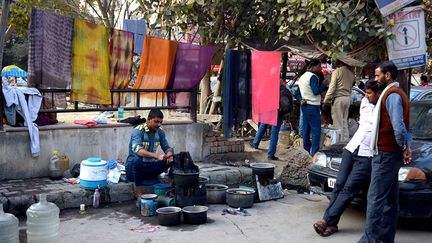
(192, 107)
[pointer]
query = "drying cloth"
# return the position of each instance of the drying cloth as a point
(88, 123)
(90, 63)
(27, 102)
(50, 53)
(138, 27)
(121, 54)
(265, 86)
(155, 69)
(191, 64)
(236, 89)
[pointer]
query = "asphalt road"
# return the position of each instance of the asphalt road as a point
(286, 220)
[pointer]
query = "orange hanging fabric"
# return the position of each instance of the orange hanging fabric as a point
(265, 86)
(121, 53)
(90, 63)
(157, 61)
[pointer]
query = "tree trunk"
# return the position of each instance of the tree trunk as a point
(3, 25)
(205, 91)
(404, 78)
(218, 90)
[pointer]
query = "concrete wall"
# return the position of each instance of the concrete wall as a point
(109, 141)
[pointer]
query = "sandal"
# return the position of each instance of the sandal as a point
(320, 226)
(329, 231)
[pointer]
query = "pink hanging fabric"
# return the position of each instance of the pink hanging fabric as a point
(265, 86)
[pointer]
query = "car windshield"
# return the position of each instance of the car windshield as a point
(421, 125)
(414, 93)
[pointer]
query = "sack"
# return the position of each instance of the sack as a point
(285, 101)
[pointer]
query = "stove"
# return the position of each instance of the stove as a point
(267, 188)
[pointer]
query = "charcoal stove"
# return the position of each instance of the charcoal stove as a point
(267, 188)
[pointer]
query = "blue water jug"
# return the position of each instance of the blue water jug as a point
(148, 205)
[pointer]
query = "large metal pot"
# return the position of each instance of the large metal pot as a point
(240, 198)
(169, 216)
(186, 179)
(216, 193)
(263, 170)
(195, 214)
(203, 180)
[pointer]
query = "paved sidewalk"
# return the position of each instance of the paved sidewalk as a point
(18, 195)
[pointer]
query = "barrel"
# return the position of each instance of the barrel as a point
(93, 173)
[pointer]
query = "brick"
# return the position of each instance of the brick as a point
(210, 139)
(210, 134)
(219, 150)
(215, 144)
(220, 138)
(213, 150)
(11, 194)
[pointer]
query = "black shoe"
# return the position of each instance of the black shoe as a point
(253, 145)
(272, 158)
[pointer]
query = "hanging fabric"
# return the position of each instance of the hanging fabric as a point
(138, 27)
(236, 87)
(191, 64)
(90, 64)
(155, 69)
(121, 53)
(265, 86)
(50, 54)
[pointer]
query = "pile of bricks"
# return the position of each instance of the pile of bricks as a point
(217, 144)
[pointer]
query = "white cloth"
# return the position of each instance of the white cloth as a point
(362, 136)
(306, 90)
(376, 119)
(16, 99)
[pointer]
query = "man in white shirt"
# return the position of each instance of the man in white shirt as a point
(355, 167)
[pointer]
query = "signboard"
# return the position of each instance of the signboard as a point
(408, 48)
(387, 7)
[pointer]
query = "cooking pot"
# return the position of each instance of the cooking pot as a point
(240, 198)
(216, 193)
(186, 179)
(203, 180)
(169, 216)
(263, 170)
(195, 214)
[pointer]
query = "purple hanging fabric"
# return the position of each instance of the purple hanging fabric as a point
(191, 64)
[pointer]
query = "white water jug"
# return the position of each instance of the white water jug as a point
(8, 227)
(43, 221)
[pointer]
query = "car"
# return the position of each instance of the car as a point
(420, 93)
(415, 178)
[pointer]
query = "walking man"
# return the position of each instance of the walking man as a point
(309, 95)
(355, 168)
(390, 142)
(339, 96)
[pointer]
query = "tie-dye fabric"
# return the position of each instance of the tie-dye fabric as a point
(121, 53)
(139, 28)
(50, 54)
(155, 69)
(90, 63)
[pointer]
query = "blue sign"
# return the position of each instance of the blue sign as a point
(387, 7)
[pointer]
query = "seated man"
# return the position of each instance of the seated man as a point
(144, 165)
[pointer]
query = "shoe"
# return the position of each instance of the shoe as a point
(273, 157)
(320, 226)
(330, 229)
(253, 145)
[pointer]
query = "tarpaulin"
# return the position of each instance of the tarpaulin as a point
(90, 63)
(50, 53)
(138, 27)
(265, 86)
(155, 69)
(191, 64)
(236, 89)
(121, 54)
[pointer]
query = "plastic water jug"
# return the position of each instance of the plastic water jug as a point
(54, 167)
(43, 221)
(148, 205)
(8, 227)
(93, 173)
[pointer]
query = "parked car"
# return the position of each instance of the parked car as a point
(415, 178)
(420, 93)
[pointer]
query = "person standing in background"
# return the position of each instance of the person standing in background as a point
(339, 96)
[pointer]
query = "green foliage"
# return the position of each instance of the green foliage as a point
(16, 51)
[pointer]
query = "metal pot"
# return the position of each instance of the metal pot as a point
(169, 216)
(195, 214)
(216, 193)
(186, 179)
(240, 198)
(263, 170)
(203, 180)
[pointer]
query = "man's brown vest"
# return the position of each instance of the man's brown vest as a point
(386, 138)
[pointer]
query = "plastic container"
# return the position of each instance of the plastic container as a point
(64, 163)
(54, 167)
(43, 221)
(93, 173)
(161, 189)
(9, 232)
(148, 205)
(120, 113)
(96, 198)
